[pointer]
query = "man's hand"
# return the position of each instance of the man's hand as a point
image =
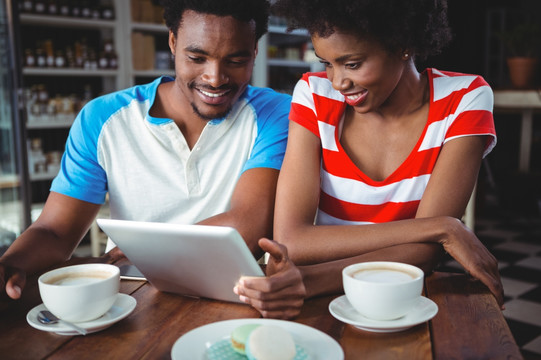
(281, 293)
(12, 281)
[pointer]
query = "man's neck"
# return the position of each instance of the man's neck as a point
(169, 104)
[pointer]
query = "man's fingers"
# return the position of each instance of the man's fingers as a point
(15, 284)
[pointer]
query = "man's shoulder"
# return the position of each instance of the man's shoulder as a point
(105, 106)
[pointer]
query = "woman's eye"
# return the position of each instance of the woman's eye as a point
(353, 65)
(325, 63)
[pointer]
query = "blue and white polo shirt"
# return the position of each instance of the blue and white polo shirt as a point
(145, 165)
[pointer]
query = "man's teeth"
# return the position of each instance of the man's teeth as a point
(213, 95)
(354, 97)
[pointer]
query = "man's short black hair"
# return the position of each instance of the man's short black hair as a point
(242, 10)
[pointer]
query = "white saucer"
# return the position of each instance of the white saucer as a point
(122, 307)
(341, 309)
(196, 343)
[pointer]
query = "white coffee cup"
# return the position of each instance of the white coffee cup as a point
(80, 293)
(383, 290)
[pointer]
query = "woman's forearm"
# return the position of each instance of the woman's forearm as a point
(319, 244)
(326, 278)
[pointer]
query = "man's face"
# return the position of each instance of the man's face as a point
(214, 58)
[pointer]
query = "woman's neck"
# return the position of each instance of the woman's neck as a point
(410, 95)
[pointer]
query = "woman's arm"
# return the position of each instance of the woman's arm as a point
(329, 248)
(296, 205)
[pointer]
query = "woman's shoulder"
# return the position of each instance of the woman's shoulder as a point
(445, 83)
(453, 77)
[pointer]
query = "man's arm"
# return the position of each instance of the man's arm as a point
(48, 241)
(252, 207)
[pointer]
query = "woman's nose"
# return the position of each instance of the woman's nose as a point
(339, 81)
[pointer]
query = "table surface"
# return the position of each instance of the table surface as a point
(517, 99)
(468, 325)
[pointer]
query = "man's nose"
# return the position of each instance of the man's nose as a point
(214, 75)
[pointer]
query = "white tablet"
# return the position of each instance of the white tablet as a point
(194, 260)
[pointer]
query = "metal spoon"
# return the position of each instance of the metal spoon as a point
(47, 318)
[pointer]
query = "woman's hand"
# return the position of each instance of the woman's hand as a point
(281, 293)
(465, 247)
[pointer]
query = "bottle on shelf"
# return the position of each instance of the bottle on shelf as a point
(64, 8)
(86, 10)
(40, 7)
(70, 57)
(60, 59)
(110, 60)
(107, 10)
(27, 6)
(52, 7)
(76, 8)
(91, 61)
(41, 60)
(49, 53)
(80, 53)
(103, 61)
(37, 162)
(29, 58)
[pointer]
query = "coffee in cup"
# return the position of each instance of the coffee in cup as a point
(383, 290)
(80, 293)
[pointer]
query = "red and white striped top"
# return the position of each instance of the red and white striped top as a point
(460, 105)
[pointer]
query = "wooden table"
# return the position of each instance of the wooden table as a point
(469, 325)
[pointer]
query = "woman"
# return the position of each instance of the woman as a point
(382, 156)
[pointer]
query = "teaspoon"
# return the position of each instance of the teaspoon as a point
(47, 318)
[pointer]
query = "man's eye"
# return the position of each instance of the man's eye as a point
(238, 62)
(196, 59)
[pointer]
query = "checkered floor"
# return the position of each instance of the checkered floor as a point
(516, 243)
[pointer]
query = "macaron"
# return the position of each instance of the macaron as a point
(270, 342)
(240, 335)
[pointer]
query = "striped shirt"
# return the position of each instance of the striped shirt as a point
(460, 105)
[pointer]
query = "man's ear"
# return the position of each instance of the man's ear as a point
(172, 42)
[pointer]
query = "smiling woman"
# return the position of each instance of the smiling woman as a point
(383, 156)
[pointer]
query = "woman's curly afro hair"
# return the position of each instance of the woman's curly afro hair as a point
(420, 26)
(243, 10)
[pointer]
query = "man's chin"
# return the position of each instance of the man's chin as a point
(208, 116)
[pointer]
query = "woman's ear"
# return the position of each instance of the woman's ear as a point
(406, 54)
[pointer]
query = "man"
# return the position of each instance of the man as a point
(204, 147)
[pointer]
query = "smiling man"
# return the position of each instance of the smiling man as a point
(203, 147)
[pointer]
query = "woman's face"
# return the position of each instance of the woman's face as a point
(362, 70)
